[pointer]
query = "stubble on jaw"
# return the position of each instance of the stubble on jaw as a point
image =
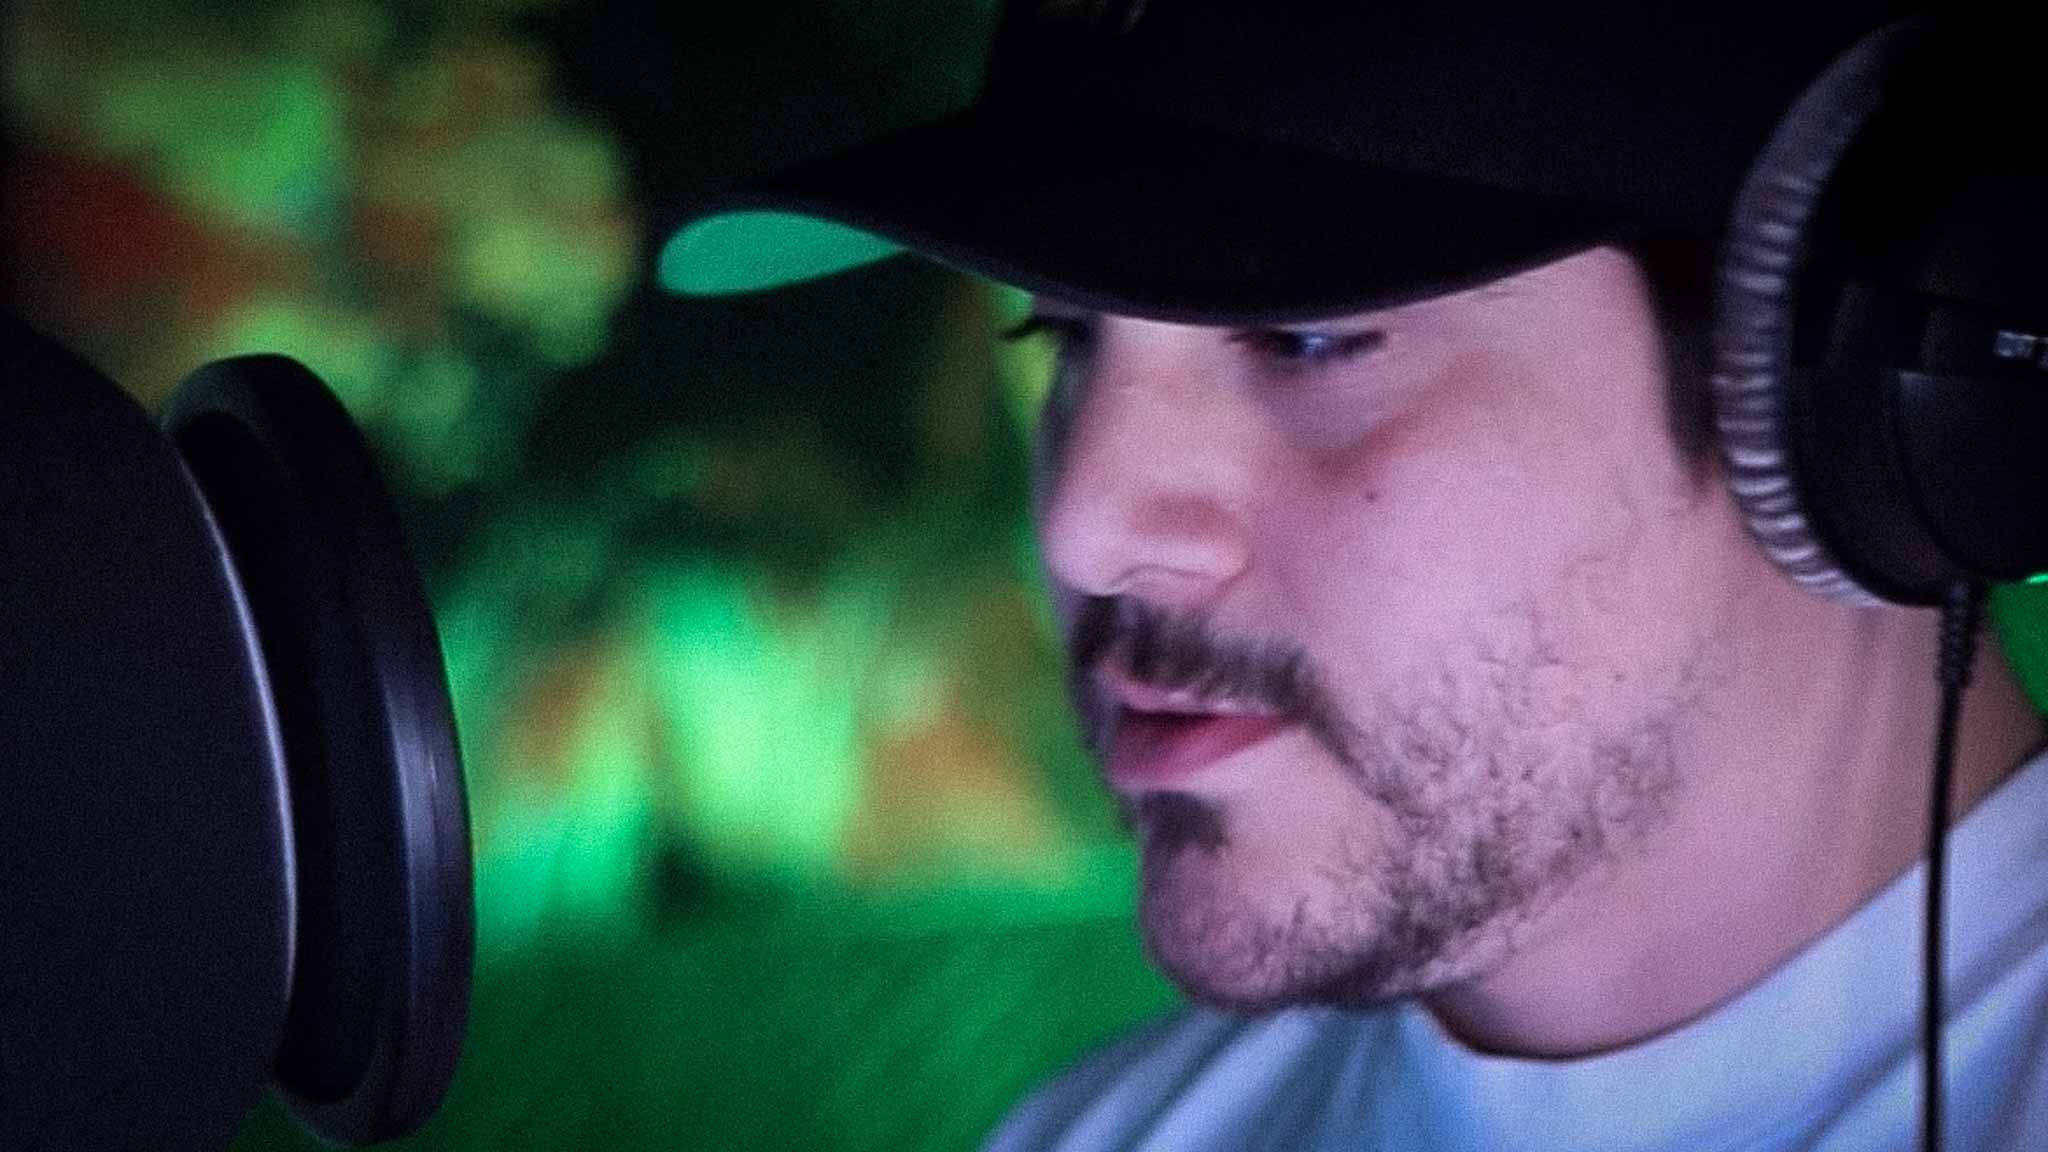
(1476, 803)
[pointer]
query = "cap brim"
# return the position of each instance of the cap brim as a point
(1150, 218)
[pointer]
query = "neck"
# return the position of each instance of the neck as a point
(1807, 771)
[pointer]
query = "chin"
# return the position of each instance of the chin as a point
(1241, 931)
(1242, 954)
(1242, 959)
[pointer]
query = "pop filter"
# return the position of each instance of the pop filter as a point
(234, 841)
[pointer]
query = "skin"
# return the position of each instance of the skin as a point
(1573, 764)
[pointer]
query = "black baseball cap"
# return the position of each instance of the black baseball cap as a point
(1261, 161)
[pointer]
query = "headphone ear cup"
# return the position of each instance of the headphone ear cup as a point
(1766, 277)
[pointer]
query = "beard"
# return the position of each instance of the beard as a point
(1406, 847)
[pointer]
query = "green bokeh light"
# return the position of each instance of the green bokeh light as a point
(262, 147)
(762, 715)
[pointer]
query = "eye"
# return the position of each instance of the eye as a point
(1073, 347)
(1071, 332)
(1291, 348)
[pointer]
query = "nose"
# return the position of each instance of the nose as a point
(1146, 497)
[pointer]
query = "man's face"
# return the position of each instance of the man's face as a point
(1386, 629)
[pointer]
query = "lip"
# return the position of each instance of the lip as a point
(1165, 737)
(1156, 751)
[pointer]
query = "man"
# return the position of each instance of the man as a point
(1494, 790)
(1429, 665)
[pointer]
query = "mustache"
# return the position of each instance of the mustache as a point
(1183, 651)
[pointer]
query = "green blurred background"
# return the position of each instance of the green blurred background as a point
(783, 835)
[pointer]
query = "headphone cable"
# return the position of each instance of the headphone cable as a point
(1961, 612)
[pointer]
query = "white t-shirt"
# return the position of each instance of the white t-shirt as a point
(1823, 1054)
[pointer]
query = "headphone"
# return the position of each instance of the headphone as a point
(236, 839)
(1881, 343)
(1880, 355)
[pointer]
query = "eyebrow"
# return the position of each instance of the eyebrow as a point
(1380, 318)
(1510, 289)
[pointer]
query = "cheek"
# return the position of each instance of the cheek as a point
(1452, 511)
(1487, 505)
